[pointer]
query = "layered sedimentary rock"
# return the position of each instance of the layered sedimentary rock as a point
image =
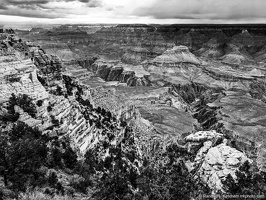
(136, 55)
(20, 77)
(176, 55)
(138, 42)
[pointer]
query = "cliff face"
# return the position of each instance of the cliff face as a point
(122, 73)
(20, 77)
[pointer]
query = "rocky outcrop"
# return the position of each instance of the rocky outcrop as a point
(219, 161)
(50, 66)
(214, 160)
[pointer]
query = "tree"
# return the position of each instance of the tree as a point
(23, 101)
(52, 179)
(70, 157)
(23, 150)
(39, 103)
(246, 182)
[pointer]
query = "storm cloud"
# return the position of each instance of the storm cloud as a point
(136, 11)
(50, 9)
(204, 9)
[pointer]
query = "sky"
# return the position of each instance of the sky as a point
(131, 11)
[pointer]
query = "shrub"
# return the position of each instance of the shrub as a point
(39, 103)
(49, 108)
(52, 179)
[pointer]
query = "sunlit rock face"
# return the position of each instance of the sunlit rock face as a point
(19, 77)
(215, 159)
(220, 161)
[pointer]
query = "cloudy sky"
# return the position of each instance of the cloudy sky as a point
(132, 11)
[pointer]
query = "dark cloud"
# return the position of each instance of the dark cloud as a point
(25, 2)
(30, 13)
(154, 10)
(92, 3)
(3, 7)
(204, 9)
(27, 8)
(84, 1)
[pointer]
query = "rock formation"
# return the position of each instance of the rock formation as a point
(215, 161)
(122, 73)
(179, 54)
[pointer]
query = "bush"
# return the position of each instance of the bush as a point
(39, 103)
(49, 108)
(70, 158)
(54, 121)
(52, 179)
(80, 184)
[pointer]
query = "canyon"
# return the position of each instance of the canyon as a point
(201, 88)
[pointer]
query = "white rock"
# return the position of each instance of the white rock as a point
(202, 136)
(220, 161)
(214, 157)
(232, 161)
